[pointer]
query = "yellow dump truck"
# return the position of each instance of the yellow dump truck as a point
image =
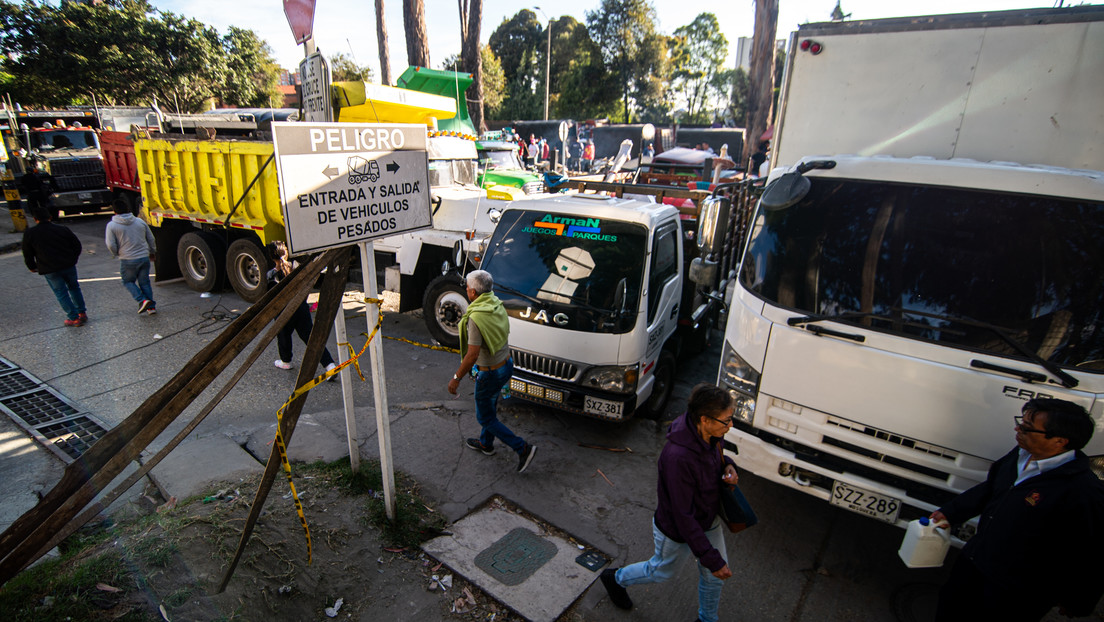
(213, 203)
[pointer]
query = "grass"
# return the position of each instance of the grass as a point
(414, 522)
(65, 589)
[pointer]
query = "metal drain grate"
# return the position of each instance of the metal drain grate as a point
(17, 381)
(54, 420)
(516, 556)
(38, 407)
(73, 437)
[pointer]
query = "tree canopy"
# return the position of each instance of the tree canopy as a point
(126, 52)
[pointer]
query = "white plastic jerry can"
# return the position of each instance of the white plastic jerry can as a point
(925, 545)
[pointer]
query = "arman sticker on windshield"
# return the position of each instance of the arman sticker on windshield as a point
(581, 228)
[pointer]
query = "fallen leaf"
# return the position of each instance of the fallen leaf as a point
(103, 587)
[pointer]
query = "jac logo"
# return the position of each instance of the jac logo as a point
(560, 319)
(1024, 394)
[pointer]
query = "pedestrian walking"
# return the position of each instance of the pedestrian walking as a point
(300, 322)
(484, 340)
(131, 241)
(52, 250)
(1040, 537)
(692, 470)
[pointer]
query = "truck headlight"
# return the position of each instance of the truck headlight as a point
(742, 381)
(614, 378)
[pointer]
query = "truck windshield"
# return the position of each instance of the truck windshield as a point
(451, 172)
(54, 140)
(492, 160)
(937, 264)
(583, 273)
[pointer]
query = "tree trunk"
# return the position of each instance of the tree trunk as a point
(417, 41)
(471, 60)
(761, 76)
(381, 39)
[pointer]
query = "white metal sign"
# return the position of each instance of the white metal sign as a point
(314, 77)
(343, 183)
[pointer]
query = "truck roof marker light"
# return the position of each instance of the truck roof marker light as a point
(808, 45)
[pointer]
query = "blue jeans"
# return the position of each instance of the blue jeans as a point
(135, 273)
(67, 291)
(488, 384)
(668, 555)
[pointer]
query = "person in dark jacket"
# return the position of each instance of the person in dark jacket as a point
(52, 251)
(299, 323)
(691, 472)
(1040, 535)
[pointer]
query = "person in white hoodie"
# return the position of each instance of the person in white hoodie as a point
(131, 240)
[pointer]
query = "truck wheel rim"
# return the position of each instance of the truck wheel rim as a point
(248, 270)
(450, 308)
(196, 264)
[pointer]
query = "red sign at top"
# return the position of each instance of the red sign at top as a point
(300, 16)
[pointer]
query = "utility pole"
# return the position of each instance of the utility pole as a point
(548, 61)
(761, 76)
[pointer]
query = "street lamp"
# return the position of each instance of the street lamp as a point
(548, 61)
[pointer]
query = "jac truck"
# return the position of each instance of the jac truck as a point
(926, 256)
(606, 290)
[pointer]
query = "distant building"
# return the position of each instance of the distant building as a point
(743, 51)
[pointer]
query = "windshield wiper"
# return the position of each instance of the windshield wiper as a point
(510, 290)
(578, 301)
(1066, 380)
(846, 315)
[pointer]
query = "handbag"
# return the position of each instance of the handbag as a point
(736, 512)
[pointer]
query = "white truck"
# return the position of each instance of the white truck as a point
(896, 306)
(605, 292)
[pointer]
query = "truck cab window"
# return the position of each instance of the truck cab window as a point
(663, 267)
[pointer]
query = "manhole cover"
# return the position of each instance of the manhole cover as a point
(516, 556)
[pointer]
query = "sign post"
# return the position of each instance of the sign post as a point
(350, 183)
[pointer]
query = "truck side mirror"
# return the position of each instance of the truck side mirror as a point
(712, 220)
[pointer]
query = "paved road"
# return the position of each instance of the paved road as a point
(806, 561)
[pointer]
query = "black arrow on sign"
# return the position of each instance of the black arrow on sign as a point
(393, 167)
(330, 171)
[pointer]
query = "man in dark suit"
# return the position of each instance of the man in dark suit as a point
(1040, 538)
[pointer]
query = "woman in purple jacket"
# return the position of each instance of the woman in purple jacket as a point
(691, 472)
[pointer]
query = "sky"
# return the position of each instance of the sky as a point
(349, 27)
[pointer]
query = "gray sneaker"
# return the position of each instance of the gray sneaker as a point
(525, 457)
(473, 443)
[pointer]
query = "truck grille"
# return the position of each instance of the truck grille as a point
(544, 366)
(78, 174)
(533, 187)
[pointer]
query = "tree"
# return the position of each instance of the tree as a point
(252, 76)
(699, 52)
(581, 86)
(494, 82)
(512, 39)
(417, 41)
(471, 19)
(126, 52)
(761, 77)
(624, 32)
(381, 40)
(344, 69)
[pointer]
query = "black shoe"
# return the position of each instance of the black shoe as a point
(473, 443)
(142, 306)
(525, 457)
(619, 596)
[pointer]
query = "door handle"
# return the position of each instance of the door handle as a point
(674, 311)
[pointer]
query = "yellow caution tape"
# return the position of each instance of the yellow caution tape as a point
(354, 358)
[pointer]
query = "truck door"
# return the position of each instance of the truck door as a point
(664, 287)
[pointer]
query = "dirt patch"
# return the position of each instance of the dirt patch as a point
(168, 564)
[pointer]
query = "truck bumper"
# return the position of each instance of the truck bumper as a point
(570, 397)
(76, 200)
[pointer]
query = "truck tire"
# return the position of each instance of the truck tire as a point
(656, 405)
(246, 267)
(200, 257)
(444, 302)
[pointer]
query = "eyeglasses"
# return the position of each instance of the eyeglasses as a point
(728, 421)
(1019, 419)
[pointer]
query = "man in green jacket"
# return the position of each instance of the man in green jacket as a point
(484, 342)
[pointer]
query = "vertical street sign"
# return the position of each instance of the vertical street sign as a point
(300, 16)
(314, 78)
